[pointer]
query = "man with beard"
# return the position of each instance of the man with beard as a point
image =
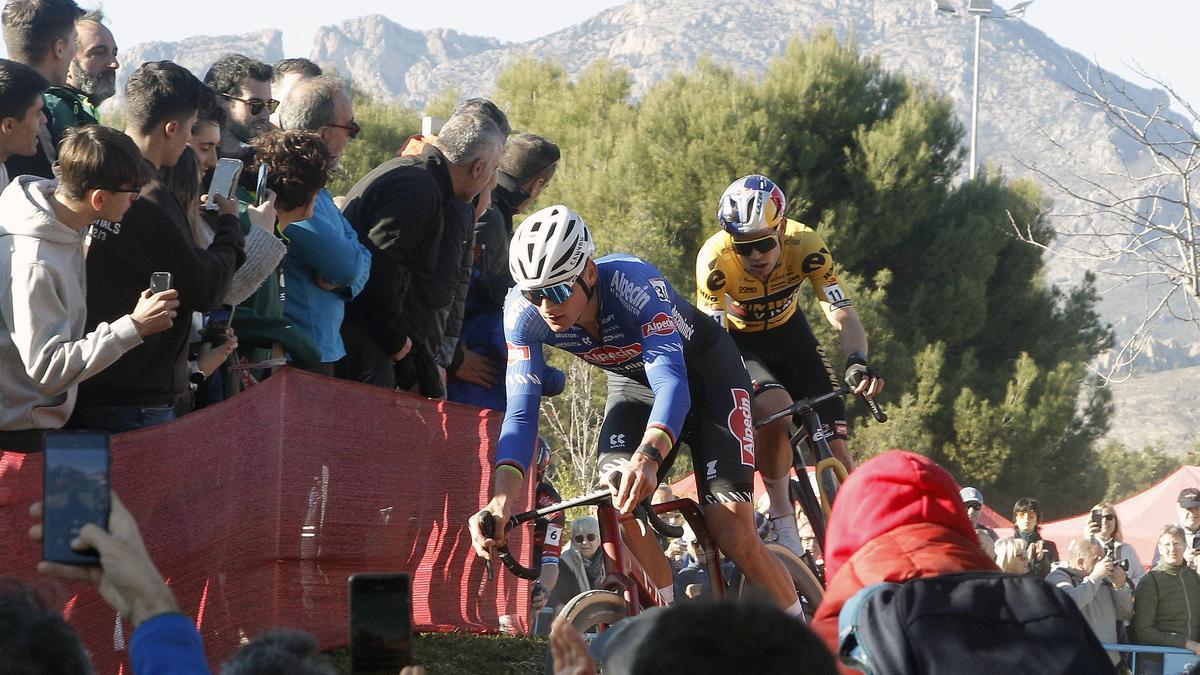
(243, 88)
(91, 79)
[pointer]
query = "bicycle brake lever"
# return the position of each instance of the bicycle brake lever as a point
(487, 527)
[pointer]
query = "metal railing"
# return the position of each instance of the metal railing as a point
(1176, 661)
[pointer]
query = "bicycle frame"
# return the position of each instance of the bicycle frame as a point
(626, 575)
(623, 573)
(830, 471)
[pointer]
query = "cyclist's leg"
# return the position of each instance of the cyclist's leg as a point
(625, 415)
(823, 379)
(774, 453)
(794, 358)
(720, 432)
(773, 449)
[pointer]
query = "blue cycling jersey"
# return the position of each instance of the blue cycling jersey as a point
(647, 333)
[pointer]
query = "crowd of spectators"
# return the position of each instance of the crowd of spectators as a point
(399, 283)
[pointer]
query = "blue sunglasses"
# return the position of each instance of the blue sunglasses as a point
(557, 294)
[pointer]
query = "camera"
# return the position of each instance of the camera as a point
(1123, 564)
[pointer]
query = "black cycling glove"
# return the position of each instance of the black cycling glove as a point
(857, 369)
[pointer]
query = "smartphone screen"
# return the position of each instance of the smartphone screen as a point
(380, 623)
(160, 281)
(224, 179)
(260, 188)
(75, 492)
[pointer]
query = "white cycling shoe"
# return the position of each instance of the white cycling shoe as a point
(783, 531)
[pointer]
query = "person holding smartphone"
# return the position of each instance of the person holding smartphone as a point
(1105, 528)
(164, 640)
(46, 347)
(162, 100)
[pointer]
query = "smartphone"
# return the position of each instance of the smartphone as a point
(160, 281)
(260, 189)
(1096, 516)
(224, 180)
(380, 623)
(75, 492)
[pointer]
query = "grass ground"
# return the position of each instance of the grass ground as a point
(469, 654)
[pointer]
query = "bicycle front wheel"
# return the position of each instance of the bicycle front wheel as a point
(808, 587)
(594, 608)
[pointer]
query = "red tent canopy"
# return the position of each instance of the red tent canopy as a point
(1141, 516)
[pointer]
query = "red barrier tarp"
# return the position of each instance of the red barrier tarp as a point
(257, 510)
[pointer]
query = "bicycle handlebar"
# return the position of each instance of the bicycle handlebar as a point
(487, 526)
(810, 403)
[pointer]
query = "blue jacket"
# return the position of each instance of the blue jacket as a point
(324, 245)
(483, 334)
(167, 643)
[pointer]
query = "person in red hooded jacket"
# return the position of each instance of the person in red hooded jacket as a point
(898, 517)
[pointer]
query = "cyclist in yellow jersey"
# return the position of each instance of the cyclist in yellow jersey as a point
(748, 278)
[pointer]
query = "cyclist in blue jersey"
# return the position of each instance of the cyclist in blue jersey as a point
(672, 374)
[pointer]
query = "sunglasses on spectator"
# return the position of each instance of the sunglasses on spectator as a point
(580, 538)
(352, 128)
(746, 248)
(256, 104)
(1108, 516)
(557, 294)
(972, 506)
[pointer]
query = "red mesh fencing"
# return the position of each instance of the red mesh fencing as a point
(257, 510)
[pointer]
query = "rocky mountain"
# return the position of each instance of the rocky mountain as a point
(1158, 409)
(384, 58)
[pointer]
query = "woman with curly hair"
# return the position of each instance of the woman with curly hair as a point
(298, 167)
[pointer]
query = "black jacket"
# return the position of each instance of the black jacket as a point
(405, 212)
(154, 237)
(492, 235)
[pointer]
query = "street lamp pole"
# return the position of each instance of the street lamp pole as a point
(980, 10)
(975, 98)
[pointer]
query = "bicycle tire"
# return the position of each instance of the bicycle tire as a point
(593, 608)
(808, 588)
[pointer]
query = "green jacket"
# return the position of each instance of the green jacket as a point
(1166, 607)
(68, 108)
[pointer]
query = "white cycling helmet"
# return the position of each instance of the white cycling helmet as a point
(550, 247)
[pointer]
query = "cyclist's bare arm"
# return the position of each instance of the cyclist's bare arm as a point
(507, 487)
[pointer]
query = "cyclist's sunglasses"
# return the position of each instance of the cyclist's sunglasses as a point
(256, 104)
(557, 294)
(352, 128)
(579, 539)
(746, 248)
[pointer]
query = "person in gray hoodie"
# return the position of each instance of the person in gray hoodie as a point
(44, 353)
(1099, 587)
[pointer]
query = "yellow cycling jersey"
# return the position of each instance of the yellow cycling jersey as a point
(749, 304)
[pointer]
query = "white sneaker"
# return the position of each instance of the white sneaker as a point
(783, 531)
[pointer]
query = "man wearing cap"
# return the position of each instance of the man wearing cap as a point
(973, 500)
(1189, 519)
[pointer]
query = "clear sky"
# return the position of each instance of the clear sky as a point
(1157, 34)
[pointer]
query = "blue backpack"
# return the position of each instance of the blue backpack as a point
(971, 622)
